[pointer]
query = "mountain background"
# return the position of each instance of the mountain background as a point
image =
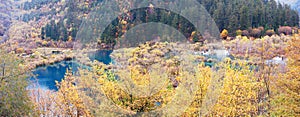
(60, 19)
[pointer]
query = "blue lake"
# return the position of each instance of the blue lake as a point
(101, 56)
(47, 75)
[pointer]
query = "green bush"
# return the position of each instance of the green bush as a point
(239, 32)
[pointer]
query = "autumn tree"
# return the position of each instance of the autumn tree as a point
(14, 98)
(224, 34)
(286, 91)
(204, 77)
(68, 100)
(239, 92)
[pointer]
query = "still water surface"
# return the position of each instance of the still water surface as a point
(46, 76)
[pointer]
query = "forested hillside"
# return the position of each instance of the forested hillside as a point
(243, 14)
(66, 16)
(5, 16)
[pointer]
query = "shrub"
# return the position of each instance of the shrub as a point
(70, 38)
(62, 45)
(285, 30)
(245, 33)
(34, 35)
(239, 32)
(261, 28)
(295, 30)
(256, 33)
(44, 43)
(224, 34)
(196, 37)
(270, 32)
(20, 50)
(69, 44)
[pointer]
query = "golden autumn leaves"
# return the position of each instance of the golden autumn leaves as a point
(230, 88)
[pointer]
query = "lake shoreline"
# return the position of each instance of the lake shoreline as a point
(36, 59)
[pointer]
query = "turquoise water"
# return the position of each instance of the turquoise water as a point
(101, 56)
(45, 77)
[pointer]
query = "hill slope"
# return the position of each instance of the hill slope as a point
(63, 24)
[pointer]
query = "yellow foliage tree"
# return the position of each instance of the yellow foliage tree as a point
(224, 34)
(204, 75)
(286, 100)
(68, 100)
(143, 87)
(238, 96)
